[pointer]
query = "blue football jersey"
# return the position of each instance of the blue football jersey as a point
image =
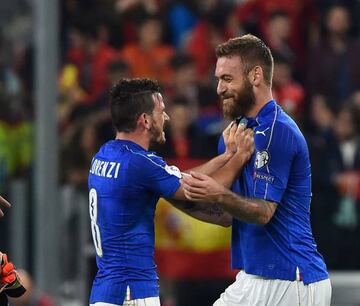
(125, 183)
(279, 171)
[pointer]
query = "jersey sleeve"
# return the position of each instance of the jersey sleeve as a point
(274, 154)
(152, 173)
(221, 145)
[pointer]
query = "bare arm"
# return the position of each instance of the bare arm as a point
(244, 141)
(202, 188)
(3, 203)
(220, 160)
(213, 213)
(225, 168)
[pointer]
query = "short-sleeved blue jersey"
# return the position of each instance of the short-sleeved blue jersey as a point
(125, 183)
(279, 171)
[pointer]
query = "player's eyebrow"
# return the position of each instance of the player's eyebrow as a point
(222, 76)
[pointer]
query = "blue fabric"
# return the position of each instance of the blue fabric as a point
(181, 21)
(125, 183)
(279, 171)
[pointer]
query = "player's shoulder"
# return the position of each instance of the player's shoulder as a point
(143, 158)
(288, 126)
(278, 131)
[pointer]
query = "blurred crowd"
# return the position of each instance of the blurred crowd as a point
(315, 44)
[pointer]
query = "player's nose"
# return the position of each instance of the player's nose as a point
(221, 88)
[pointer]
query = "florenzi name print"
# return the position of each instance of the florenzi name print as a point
(105, 168)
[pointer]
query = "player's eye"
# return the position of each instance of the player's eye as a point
(227, 79)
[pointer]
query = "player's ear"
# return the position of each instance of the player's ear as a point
(144, 121)
(256, 75)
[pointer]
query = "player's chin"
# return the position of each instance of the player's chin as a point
(228, 112)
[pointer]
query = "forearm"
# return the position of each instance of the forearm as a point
(230, 171)
(213, 165)
(210, 213)
(250, 210)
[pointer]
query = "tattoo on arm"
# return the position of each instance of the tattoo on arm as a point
(205, 208)
(249, 209)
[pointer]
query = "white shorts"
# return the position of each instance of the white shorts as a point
(151, 301)
(258, 291)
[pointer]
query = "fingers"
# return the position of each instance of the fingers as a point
(240, 130)
(243, 136)
(199, 175)
(4, 203)
(192, 197)
(233, 128)
(194, 190)
(195, 186)
(226, 132)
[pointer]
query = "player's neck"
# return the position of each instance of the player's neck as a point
(135, 137)
(261, 98)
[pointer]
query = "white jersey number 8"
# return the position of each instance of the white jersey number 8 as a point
(93, 209)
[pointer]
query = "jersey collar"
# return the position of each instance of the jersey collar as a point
(130, 143)
(266, 111)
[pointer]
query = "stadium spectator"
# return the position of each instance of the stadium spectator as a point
(182, 17)
(149, 56)
(288, 93)
(333, 68)
(184, 82)
(278, 35)
(326, 163)
(255, 16)
(182, 138)
(208, 32)
(347, 216)
(91, 55)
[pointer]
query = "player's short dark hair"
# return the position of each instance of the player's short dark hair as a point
(252, 51)
(130, 98)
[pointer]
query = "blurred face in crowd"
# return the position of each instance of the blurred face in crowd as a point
(88, 139)
(321, 114)
(344, 125)
(182, 116)
(234, 87)
(282, 74)
(185, 76)
(158, 119)
(150, 33)
(338, 20)
(280, 26)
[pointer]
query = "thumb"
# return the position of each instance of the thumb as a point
(4, 202)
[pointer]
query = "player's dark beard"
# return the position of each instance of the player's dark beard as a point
(241, 105)
(156, 135)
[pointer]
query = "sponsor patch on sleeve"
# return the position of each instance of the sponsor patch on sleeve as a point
(266, 177)
(173, 170)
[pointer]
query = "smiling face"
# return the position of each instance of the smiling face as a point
(158, 119)
(234, 87)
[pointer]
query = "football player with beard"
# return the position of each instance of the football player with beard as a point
(125, 183)
(272, 241)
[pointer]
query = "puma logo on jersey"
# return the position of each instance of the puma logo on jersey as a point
(262, 132)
